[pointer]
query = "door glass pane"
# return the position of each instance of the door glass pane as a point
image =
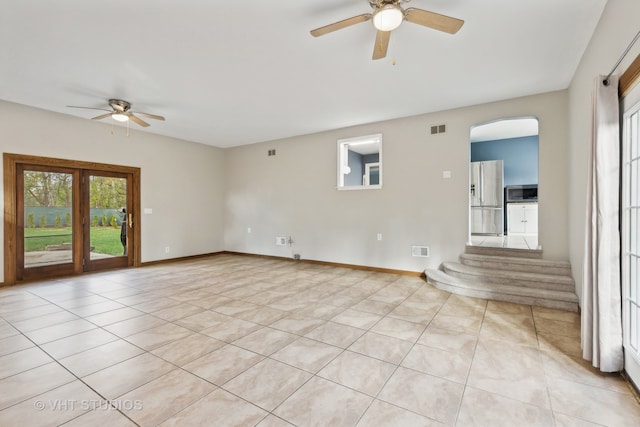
(107, 212)
(48, 225)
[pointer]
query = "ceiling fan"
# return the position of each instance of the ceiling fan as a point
(121, 111)
(387, 16)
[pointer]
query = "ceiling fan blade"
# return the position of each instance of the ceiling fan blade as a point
(341, 24)
(101, 116)
(382, 43)
(87, 108)
(151, 116)
(433, 20)
(137, 120)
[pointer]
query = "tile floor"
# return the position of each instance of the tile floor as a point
(511, 242)
(244, 341)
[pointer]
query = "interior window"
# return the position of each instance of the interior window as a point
(360, 162)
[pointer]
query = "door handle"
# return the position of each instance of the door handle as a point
(130, 221)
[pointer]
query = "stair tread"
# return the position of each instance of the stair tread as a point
(516, 260)
(511, 252)
(516, 275)
(502, 289)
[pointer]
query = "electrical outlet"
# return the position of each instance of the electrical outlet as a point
(248, 230)
(379, 236)
(167, 249)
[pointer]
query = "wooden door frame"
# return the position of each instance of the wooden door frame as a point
(10, 162)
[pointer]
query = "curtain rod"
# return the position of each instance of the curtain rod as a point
(606, 79)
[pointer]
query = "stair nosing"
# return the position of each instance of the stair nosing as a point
(517, 260)
(509, 274)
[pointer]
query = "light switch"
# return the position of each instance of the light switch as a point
(148, 211)
(446, 174)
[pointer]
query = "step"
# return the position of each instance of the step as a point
(561, 300)
(507, 252)
(506, 277)
(531, 265)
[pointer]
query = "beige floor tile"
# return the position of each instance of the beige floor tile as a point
(134, 325)
(468, 301)
(231, 330)
(297, 324)
(357, 319)
(81, 301)
(307, 354)
(265, 341)
(557, 327)
(560, 343)
(481, 408)
(256, 384)
(78, 343)
(362, 373)
(263, 315)
(44, 321)
(322, 403)
(219, 408)
(61, 330)
(463, 325)
(577, 369)
(187, 349)
(462, 310)
(397, 328)
(552, 314)
(383, 414)
(14, 343)
(334, 334)
(164, 397)
(382, 347)
(93, 309)
(235, 307)
(511, 371)
(125, 376)
(513, 328)
(594, 404)
(157, 304)
(223, 364)
(22, 360)
(416, 313)
(273, 421)
(563, 420)
(508, 307)
(16, 388)
(29, 313)
(98, 358)
(157, 337)
(101, 417)
(376, 307)
(202, 320)
(445, 339)
(321, 311)
(427, 395)
(439, 363)
(114, 316)
(173, 313)
(52, 408)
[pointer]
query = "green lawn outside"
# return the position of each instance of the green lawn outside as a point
(105, 240)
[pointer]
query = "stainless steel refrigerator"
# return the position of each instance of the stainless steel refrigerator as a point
(486, 198)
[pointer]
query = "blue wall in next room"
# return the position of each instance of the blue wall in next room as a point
(520, 157)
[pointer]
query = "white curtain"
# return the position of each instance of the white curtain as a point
(601, 294)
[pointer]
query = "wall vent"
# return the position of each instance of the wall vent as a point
(271, 152)
(438, 129)
(281, 241)
(420, 251)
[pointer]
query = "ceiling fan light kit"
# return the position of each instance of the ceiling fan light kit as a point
(121, 112)
(387, 16)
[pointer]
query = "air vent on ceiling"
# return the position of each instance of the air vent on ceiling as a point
(438, 129)
(420, 251)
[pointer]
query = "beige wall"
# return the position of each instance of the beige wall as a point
(294, 193)
(182, 182)
(617, 27)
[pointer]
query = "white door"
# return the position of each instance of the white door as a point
(631, 234)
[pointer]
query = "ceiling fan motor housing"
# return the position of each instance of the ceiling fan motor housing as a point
(119, 105)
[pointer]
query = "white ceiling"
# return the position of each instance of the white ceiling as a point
(239, 72)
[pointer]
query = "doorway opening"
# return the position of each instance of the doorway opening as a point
(68, 217)
(503, 187)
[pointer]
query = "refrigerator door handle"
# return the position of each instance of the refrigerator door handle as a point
(482, 183)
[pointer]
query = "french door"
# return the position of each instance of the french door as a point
(631, 234)
(70, 217)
